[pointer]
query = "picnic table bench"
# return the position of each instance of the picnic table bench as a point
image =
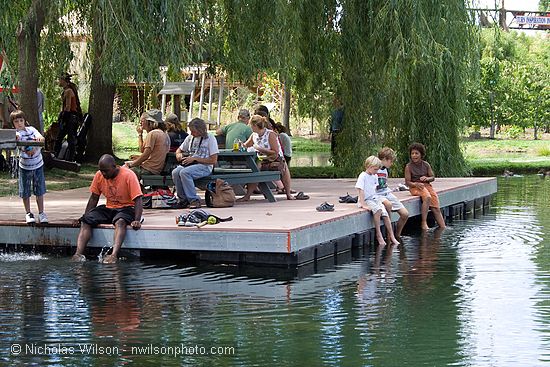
(239, 169)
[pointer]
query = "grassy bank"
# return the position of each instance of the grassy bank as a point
(485, 158)
(56, 179)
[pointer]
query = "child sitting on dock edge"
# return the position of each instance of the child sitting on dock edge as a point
(392, 203)
(418, 177)
(370, 200)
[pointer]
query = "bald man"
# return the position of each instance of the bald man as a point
(121, 188)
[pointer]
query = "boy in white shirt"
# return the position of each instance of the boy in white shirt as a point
(368, 199)
(31, 167)
(387, 156)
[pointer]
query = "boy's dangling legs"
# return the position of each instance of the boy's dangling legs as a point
(391, 238)
(403, 217)
(379, 236)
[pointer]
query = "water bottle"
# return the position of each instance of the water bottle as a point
(236, 145)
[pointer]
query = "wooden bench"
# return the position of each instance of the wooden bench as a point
(233, 176)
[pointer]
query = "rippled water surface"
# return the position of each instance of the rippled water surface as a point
(477, 294)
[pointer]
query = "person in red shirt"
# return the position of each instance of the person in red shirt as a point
(121, 188)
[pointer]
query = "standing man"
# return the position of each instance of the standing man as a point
(236, 131)
(70, 116)
(336, 123)
(124, 206)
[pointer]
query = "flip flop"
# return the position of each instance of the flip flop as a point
(283, 192)
(348, 199)
(325, 207)
(351, 200)
(301, 196)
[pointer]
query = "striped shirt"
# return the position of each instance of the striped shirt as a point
(30, 158)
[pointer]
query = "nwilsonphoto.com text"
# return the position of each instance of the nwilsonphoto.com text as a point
(34, 349)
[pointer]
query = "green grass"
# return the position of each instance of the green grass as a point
(300, 144)
(504, 148)
(485, 157)
(484, 167)
(125, 139)
(56, 179)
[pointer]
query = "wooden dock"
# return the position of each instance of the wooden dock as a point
(289, 233)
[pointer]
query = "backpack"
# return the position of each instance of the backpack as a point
(158, 199)
(219, 194)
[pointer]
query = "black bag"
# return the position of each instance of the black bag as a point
(219, 194)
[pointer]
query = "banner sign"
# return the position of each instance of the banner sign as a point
(522, 19)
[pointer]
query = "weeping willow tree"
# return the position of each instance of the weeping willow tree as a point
(131, 40)
(28, 32)
(399, 67)
(404, 69)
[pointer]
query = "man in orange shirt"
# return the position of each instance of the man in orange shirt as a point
(121, 188)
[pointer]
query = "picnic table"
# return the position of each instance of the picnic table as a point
(236, 168)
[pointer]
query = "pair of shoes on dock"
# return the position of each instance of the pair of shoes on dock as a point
(348, 199)
(187, 220)
(325, 207)
(30, 219)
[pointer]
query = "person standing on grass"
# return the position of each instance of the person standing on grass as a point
(69, 118)
(31, 167)
(124, 206)
(392, 203)
(370, 200)
(418, 177)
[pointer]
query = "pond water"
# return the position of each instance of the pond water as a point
(310, 159)
(477, 294)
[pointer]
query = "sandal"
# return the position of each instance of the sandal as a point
(301, 196)
(283, 191)
(195, 204)
(348, 199)
(325, 207)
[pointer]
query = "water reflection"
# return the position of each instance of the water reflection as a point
(477, 293)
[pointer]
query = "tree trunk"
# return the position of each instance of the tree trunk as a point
(100, 135)
(286, 108)
(102, 95)
(28, 36)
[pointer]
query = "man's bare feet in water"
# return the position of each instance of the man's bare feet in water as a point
(381, 240)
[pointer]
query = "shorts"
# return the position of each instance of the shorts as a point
(33, 177)
(103, 215)
(426, 192)
(140, 171)
(396, 204)
(376, 205)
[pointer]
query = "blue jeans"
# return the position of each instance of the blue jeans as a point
(183, 179)
(31, 179)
